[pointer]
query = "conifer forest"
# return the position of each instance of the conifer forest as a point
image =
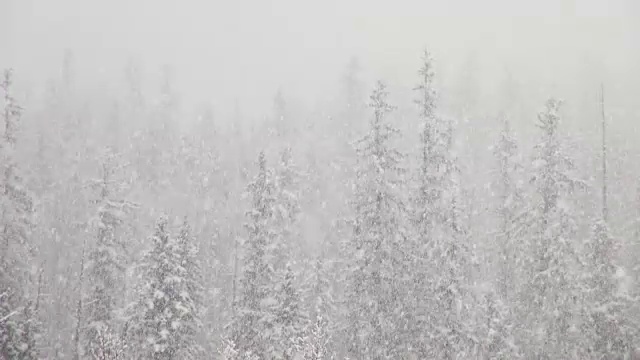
(299, 180)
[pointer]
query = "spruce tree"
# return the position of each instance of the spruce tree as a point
(320, 293)
(610, 333)
(230, 352)
(106, 265)
(607, 329)
(287, 244)
(317, 342)
(288, 321)
(255, 301)
(150, 325)
(18, 323)
(495, 335)
(377, 269)
(108, 346)
(440, 249)
(165, 319)
(551, 294)
(424, 205)
(190, 297)
(510, 209)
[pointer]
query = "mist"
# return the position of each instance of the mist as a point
(245, 50)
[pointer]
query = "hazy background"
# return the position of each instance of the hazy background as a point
(247, 49)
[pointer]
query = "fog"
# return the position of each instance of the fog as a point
(245, 50)
(336, 179)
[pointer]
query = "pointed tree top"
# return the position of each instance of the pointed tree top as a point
(7, 78)
(426, 70)
(185, 224)
(550, 117)
(286, 155)
(379, 98)
(262, 161)
(162, 222)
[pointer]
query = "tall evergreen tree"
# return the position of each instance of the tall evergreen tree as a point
(230, 352)
(496, 338)
(189, 304)
(165, 319)
(107, 346)
(320, 297)
(287, 244)
(551, 294)
(286, 248)
(607, 325)
(317, 342)
(288, 321)
(440, 241)
(634, 240)
(607, 330)
(496, 321)
(18, 330)
(377, 272)
(425, 204)
(255, 300)
(106, 265)
(510, 209)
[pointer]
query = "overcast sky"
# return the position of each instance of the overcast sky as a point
(246, 49)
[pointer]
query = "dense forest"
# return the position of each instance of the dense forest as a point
(389, 224)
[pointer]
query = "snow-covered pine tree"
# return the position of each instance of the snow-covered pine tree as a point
(288, 320)
(552, 292)
(189, 304)
(79, 313)
(607, 329)
(255, 300)
(495, 300)
(377, 269)
(108, 346)
(634, 241)
(18, 330)
(439, 245)
(106, 265)
(62, 210)
(495, 335)
(508, 187)
(317, 342)
(425, 207)
(320, 293)
(230, 352)
(286, 211)
(607, 323)
(286, 247)
(165, 318)
(149, 326)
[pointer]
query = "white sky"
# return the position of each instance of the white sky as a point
(248, 48)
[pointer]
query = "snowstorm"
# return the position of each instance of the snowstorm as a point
(319, 180)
